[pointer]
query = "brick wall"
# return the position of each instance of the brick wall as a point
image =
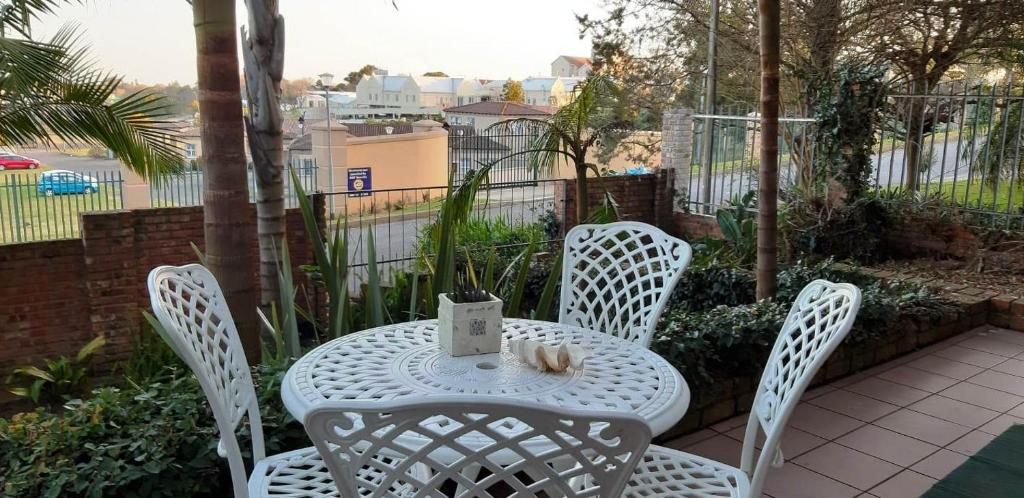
(690, 226)
(57, 295)
(646, 198)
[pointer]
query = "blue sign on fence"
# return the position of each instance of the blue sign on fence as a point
(359, 182)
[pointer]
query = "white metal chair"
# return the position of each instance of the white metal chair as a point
(554, 451)
(191, 308)
(617, 277)
(818, 321)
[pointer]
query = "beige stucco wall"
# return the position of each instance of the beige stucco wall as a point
(412, 160)
(622, 159)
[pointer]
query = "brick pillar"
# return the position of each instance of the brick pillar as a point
(664, 199)
(111, 277)
(677, 149)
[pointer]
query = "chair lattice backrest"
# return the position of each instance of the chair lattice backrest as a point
(819, 320)
(617, 277)
(189, 303)
(414, 448)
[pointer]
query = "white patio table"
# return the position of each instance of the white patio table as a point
(405, 360)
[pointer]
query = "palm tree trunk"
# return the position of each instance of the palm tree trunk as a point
(582, 197)
(227, 227)
(768, 178)
(263, 51)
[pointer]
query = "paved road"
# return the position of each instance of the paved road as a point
(53, 159)
(888, 169)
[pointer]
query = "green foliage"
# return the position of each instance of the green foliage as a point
(714, 330)
(848, 111)
(715, 284)
(56, 380)
(512, 91)
(152, 440)
(811, 227)
(50, 93)
(1000, 156)
(151, 355)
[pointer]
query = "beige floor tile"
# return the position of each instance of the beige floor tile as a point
(890, 392)
(721, 448)
(690, 439)
(1017, 411)
(854, 405)
(1007, 335)
(1011, 366)
(848, 466)
(924, 427)
(945, 366)
(1000, 381)
(730, 424)
(983, 396)
(887, 445)
(821, 422)
(970, 356)
(1000, 424)
(817, 392)
(954, 411)
(940, 464)
(794, 481)
(918, 379)
(795, 442)
(993, 346)
(906, 484)
(971, 442)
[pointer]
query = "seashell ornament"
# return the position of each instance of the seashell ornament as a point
(548, 358)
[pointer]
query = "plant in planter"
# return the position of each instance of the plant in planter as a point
(468, 317)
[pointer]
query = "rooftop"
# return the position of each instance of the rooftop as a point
(500, 108)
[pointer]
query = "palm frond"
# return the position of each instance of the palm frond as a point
(50, 92)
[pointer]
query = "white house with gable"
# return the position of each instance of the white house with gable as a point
(571, 66)
(387, 91)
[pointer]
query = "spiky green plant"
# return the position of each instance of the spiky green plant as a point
(596, 113)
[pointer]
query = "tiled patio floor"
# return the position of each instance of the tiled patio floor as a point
(893, 430)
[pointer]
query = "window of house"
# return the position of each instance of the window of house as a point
(190, 151)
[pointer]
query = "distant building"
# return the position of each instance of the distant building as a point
(571, 66)
(385, 91)
(553, 92)
(480, 115)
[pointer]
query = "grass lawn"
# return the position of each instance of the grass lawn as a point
(26, 215)
(1005, 197)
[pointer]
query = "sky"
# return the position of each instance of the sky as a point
(152, 41)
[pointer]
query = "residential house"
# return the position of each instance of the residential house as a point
(443, 92)
(314, 98)
(385, 91)
(480, 115)
(554, 92)
(571, 66)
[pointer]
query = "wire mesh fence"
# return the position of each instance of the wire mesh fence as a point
(46, 205)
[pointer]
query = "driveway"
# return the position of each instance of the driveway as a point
(54, 159)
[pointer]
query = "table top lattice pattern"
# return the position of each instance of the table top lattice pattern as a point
(404, 360)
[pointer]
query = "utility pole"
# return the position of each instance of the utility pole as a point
(711, 95)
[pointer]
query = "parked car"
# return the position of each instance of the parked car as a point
(14, 161)
(66, 182)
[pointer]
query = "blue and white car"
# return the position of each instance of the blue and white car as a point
(60, 182)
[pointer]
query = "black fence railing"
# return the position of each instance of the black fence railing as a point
(46, 205)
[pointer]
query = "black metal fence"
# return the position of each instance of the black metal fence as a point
(958, 145)
(46, 205)
(469, 148)
(185, 188)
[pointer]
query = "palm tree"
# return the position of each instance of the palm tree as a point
(594, 115)
(227, 227)
(50, 93)
(768, 176)
(263, 51)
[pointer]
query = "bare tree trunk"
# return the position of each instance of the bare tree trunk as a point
(227, 228)
(263, 50)
(582, 197)
(768, 187)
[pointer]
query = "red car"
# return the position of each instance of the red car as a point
(14, 161)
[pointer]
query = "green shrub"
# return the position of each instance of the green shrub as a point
(816, 227)
(158, 440)
(708, 342)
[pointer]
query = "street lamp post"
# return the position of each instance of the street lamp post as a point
(326, 79)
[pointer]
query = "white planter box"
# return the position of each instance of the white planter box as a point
(469, 328)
